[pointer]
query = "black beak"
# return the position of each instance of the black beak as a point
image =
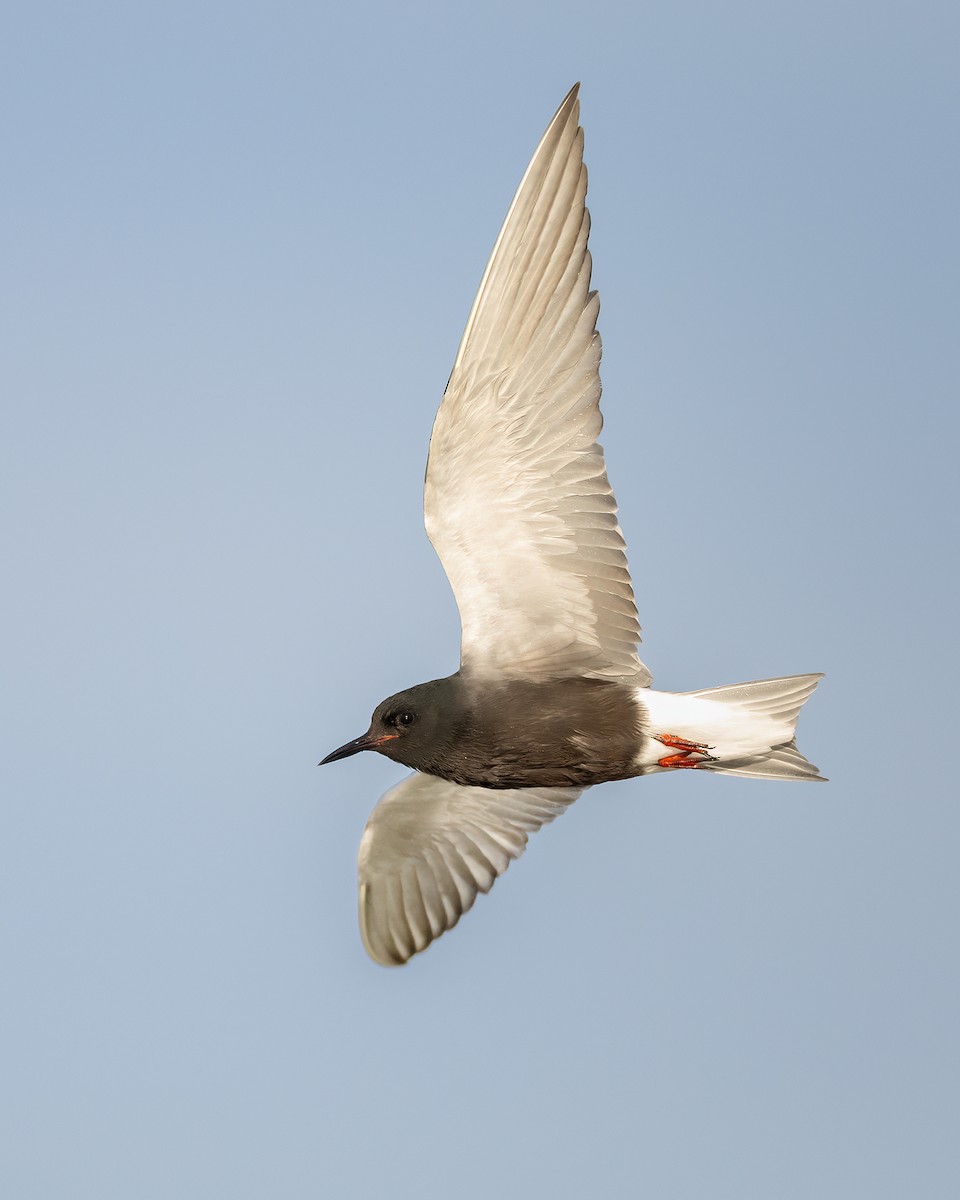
(367, 742)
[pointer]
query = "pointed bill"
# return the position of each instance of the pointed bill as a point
(517, 502)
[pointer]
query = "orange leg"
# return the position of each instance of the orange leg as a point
(679, 760)
(687, 750)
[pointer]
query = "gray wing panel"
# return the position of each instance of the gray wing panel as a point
(517, 501)
(430, 847)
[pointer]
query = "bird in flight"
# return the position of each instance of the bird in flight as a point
(551, 696)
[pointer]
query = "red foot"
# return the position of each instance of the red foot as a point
(687, 749)
(679, 760)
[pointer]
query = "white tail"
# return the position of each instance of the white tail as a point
(748, 727)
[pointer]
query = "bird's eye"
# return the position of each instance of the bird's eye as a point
(404, 718)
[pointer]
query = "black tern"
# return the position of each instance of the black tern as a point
(551, 696)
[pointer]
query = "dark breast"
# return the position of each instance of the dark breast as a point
(559, 734)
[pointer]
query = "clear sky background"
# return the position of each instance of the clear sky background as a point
(240, 242)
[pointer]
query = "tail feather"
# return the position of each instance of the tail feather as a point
(782, 762)
(749, 726)
(779, 698)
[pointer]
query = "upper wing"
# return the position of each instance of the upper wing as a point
(430, 846)
(516, 501)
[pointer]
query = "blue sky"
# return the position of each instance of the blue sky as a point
(240, 243)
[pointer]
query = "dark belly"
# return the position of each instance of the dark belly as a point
(574, 732)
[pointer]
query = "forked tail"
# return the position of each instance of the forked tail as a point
(753, 727)
(740, 729)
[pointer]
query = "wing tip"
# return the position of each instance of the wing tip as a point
(384, 952)
(569, 103)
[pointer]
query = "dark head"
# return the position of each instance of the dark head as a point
(414, 726)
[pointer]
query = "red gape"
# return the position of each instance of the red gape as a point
(687, 748)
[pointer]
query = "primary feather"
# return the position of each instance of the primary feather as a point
(517, 501)
(430, 847)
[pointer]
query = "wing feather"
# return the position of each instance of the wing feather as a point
(430, 847)
(517, 501)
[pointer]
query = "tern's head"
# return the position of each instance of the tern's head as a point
(414, 726)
